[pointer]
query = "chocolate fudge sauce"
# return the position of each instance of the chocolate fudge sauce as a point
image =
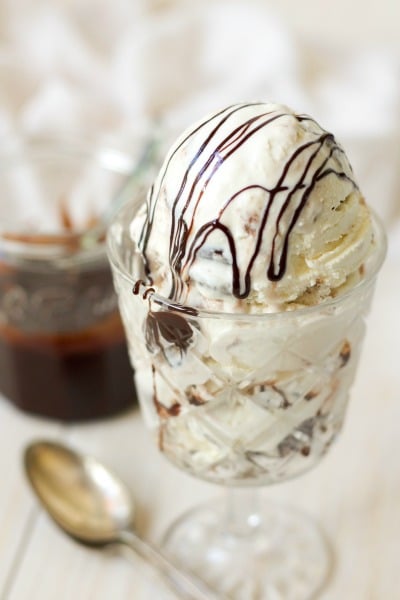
(62, 346)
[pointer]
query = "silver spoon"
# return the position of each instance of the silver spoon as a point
(94, 507)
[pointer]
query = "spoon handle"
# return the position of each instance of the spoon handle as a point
(187, 585)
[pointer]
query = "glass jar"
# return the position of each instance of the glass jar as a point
(62, 347)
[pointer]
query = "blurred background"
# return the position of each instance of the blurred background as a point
(106, 71)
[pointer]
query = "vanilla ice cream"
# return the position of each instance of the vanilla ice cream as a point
(255, 209)
(252, 267)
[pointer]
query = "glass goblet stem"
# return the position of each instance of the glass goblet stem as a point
(243, 515)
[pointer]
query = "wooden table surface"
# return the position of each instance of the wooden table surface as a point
(354, 492)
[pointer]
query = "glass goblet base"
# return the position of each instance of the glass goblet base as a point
(275, 553)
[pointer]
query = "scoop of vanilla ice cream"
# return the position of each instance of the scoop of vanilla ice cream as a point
(255, 209)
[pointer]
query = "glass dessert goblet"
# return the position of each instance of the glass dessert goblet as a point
(243, 400)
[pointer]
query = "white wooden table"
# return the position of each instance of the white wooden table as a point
(355, 491)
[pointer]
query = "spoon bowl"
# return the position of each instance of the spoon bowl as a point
(83, 497)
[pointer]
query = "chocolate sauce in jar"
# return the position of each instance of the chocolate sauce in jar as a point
(63, 353)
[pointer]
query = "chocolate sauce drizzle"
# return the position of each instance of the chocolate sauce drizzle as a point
(166, 329)
(186, 238)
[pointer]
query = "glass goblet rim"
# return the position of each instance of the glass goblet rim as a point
(374, 262)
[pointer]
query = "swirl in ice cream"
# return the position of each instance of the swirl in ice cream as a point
(255, 209)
